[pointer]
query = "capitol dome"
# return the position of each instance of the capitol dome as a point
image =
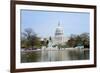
(59, 34)
(59, 30)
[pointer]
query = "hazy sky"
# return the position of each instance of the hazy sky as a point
(44, 23)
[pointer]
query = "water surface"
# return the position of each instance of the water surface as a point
(53, 55)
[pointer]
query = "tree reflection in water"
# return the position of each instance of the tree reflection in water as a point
(54, 55)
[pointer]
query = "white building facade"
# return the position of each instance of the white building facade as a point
(59, 37)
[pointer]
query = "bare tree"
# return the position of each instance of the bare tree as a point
(31, 39)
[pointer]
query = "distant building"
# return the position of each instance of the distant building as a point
(58, 37)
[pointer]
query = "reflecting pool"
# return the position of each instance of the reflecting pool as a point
(54, 55)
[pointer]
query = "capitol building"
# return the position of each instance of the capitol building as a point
(58, 37)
